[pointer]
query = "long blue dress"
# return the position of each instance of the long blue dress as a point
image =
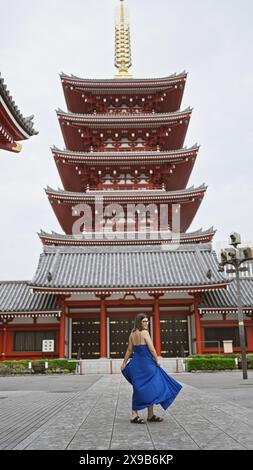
(151, 384)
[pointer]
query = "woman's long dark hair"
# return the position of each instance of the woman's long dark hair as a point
(137, 322)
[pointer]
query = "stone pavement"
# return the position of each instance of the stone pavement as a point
(213, 411)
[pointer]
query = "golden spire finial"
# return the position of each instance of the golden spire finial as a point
(123, 59)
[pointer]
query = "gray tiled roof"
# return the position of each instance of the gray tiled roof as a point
(25, 122)
(127, 155)
(124, 119)
(17, 296)
(150, 266)
(185, 149)
(227, 298)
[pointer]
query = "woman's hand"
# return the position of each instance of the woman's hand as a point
(123, 365)
(158, 363)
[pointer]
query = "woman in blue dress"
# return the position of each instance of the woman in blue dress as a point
(151, 384)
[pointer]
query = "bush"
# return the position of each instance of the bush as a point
(59, 365)
(213, 363)
(14, 367)
(21, 367)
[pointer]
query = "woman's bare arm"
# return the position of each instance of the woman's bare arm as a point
(150, 345)
(128, 353)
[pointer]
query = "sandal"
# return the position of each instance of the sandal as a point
(155, 419)
(137, 420)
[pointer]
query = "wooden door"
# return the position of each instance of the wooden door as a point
(174, 336)
(120, 329)
(85, 338)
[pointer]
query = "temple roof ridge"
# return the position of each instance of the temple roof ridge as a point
(201, 231)
(25, 122)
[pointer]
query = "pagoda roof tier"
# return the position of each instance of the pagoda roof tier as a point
(13, 125)
(149, 268)
(189, 200)
(138, 195)
(171, 169)
(121, 158)
(83, 131)
(198, 236)
(83, 95)
(17, 297)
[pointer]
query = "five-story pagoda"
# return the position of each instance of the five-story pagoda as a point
(125, 172)
(125, 210)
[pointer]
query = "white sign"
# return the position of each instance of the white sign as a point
(48, 345)
(228, 346)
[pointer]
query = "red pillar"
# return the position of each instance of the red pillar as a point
(157, 333)
(4, 343)
(197, 328)
(249, 334)
(103, 335)
(62, 336)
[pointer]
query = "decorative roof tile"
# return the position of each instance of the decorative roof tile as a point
(17, 296)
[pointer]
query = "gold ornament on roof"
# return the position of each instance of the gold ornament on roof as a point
(123, 59)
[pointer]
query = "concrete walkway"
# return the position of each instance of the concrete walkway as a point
(213, 411)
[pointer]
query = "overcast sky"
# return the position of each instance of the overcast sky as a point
(210, 39)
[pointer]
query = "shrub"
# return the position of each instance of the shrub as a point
(59, 365)
(21, 367)
(208, 356)
(14, 367)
